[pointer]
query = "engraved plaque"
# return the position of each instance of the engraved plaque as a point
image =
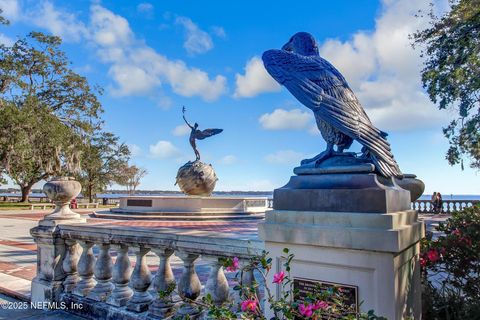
(349, 293)
(139, 203)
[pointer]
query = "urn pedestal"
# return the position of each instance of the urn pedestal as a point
(51, 248)
(352, 228)
(61, 191)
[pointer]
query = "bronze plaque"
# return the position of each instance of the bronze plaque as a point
(139, 203)
(349, 293)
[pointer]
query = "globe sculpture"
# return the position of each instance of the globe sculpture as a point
(196, 178)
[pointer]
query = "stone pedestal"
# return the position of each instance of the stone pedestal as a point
(47, 285)
(352, 229)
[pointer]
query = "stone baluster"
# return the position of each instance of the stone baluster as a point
(141, 279)
(189, 286)
(103, 274)
(85, 269)
(162, 306)
(248, 279)
(70, 265)
(121, 276)
(217, 284)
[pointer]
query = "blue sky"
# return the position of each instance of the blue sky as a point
(153, 57)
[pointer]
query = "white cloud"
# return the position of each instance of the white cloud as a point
(145, 8)
(6, 40)
(256, 80)
(384, 70)
(135, 68)
(11, 9)
(164, 150)
(228, 159)
(138, 69)
(109, 30)
(181, 130)
(58, 22)
(135, 150)
(281, 119)
(284, 157)
(131, 80)
(219, 32)
(313, 130)
(197, 41)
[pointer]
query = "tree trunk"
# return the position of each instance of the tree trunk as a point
(25, 192)
(90, 197)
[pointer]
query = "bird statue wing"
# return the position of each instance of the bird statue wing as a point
(321, 88)
(200, 135)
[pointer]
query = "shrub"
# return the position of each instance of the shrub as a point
(451, 268)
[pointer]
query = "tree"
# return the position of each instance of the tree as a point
(103, 160)
(451, 75)
(46, 111)
(131, 177)
(37, 144)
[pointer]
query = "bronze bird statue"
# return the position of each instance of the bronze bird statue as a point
(196, 134)
(340, 117)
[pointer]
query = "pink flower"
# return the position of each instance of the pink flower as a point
(423, 262)
(249, 305)
(278, 277)
(433, 255)
(305, 310)
(456, 232)
(234, 266)
(320, 305)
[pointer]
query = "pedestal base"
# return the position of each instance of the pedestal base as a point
(378, 253)
(45, 291)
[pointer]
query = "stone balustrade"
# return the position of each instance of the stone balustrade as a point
(448, 206)
(98, 273)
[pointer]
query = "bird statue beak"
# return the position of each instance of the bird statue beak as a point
(288, 47)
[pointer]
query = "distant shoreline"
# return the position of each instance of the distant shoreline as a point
(122, 193)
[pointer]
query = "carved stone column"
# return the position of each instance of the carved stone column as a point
(70, 265)
(247, 279)
(121, 276)
(47, 284)
(141, 279)
(85, 269)
(217, 284)
(189, 286)
(103, 274)
(162, 307)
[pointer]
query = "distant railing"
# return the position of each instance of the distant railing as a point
(448, 206)
(425, 206)
(116, 288)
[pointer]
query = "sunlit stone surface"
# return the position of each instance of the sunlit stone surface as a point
(196, 178)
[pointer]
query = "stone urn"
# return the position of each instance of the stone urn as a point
(61, 190)
(196, 178)
(412, 184)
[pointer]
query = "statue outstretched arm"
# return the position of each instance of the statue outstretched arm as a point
(184, 119)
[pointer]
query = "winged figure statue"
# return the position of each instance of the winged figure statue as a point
(196, 134)
(340, 117)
